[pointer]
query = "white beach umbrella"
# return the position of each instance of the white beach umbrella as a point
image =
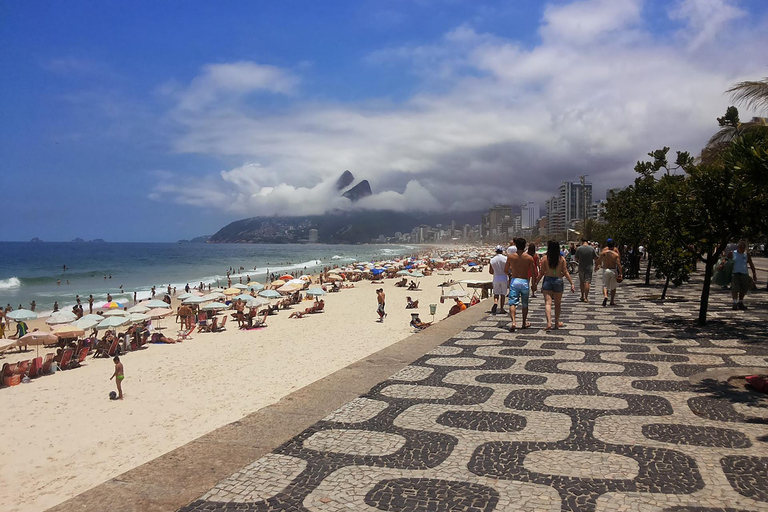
(116, 312)
(195, 300)
(158, 312)
(152, 304)
(22, 314)
(138, 317)
(270, 294)
(139, 308)
(112, 322)
(214, 306)
(214, 296)
(240, 286)
(316, 291)
(61, 317)
(68, 331)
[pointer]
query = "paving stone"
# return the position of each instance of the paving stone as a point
(599, 416)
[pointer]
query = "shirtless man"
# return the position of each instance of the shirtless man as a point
(610, 261)
(519, 266)
(381, 300)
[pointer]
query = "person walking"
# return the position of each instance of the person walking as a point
(500, 280)
(585, 257)
(740, 282)
(381, 300)
(519, 266)
(610, 261)
(119, 375)
(553, 269)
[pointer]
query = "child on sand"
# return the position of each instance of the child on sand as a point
(118, 377)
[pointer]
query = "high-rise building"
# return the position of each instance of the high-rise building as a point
(312, 235)
(496, 219)
(529, 213)
(555, 216)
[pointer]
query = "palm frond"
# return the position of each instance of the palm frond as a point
(753, 93)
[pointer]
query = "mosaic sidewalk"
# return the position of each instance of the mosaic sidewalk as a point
(600, 416)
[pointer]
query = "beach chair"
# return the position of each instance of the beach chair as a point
(185, 335)
(76, 363)
(9, 376)
(66, 356)
(214, 324)
(222, 325)
(35, 368)
(22, 368)
(113, 348)
(46, 368)
(261, 321)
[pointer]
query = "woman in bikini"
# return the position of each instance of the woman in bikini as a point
(553, 268)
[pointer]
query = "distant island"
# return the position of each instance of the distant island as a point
(197, 240)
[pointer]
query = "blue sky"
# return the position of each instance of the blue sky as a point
(143, 121)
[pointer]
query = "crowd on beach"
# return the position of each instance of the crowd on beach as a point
(114, 329)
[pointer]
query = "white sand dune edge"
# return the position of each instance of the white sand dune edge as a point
(61, 435)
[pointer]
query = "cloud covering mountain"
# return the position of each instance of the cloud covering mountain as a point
(492, 119)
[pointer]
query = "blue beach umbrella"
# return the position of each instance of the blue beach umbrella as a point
(316, 291)
(270, 294)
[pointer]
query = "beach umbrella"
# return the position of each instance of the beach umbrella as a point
(139, 308)
(135, 318)
(240, 286)
(403, 273)
(112, 322)
(195, 300)
(214, 296)
(270, 294)
(214, 306)
(61, 317)
(22, 314)
(286, 277)
(316, 291)
(116, 312)
(417, 274)
(152, 304)
(86, 323)
(276, 283)
(289, 287)
(5, 344)
(242, 296)
(255, 286)
(455, 294)
(68, 331)
(188, 295)
(112, 305)
(158, 313)
(306, 278)
(36, 339)
(300, 282)
(232, 291)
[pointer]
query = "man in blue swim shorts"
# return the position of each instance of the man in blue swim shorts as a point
(519, 266)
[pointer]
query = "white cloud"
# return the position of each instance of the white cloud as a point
(505, 121)
(232, 81)
(704, 19)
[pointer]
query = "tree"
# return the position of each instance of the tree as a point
(753, 93)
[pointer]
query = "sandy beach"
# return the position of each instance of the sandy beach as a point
(62, 435)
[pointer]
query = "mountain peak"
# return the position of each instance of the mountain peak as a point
(359, 191)
(344, 180)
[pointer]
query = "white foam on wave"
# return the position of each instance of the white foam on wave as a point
(10, 283)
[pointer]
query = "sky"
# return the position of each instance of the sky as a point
(156, 121)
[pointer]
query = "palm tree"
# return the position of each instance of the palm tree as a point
(753, 93)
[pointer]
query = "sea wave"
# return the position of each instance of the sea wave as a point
(10, 283)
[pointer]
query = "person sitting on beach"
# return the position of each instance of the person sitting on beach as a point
(411, 304)
(297, 314)
(457, 308)
(416, 322)
(159, 338)
(402, 283)
(412, 285)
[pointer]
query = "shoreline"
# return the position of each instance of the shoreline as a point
(176, 393)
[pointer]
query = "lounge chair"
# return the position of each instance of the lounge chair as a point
(113, 348)
(66, 356)
(185, 335)
(76, 363)
(221, 326)
(22, 368)
(46, 368)
(35, 368)
(8, 374)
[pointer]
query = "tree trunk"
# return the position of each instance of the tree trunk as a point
(710, 264)
(648, 273)
(664, 292)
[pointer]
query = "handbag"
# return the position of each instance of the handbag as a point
(619, 278)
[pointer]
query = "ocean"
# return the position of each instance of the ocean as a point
(35, 271)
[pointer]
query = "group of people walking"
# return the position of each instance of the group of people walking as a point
(518, 273)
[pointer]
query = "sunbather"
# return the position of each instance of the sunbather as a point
(416, 322)
(411, 304)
